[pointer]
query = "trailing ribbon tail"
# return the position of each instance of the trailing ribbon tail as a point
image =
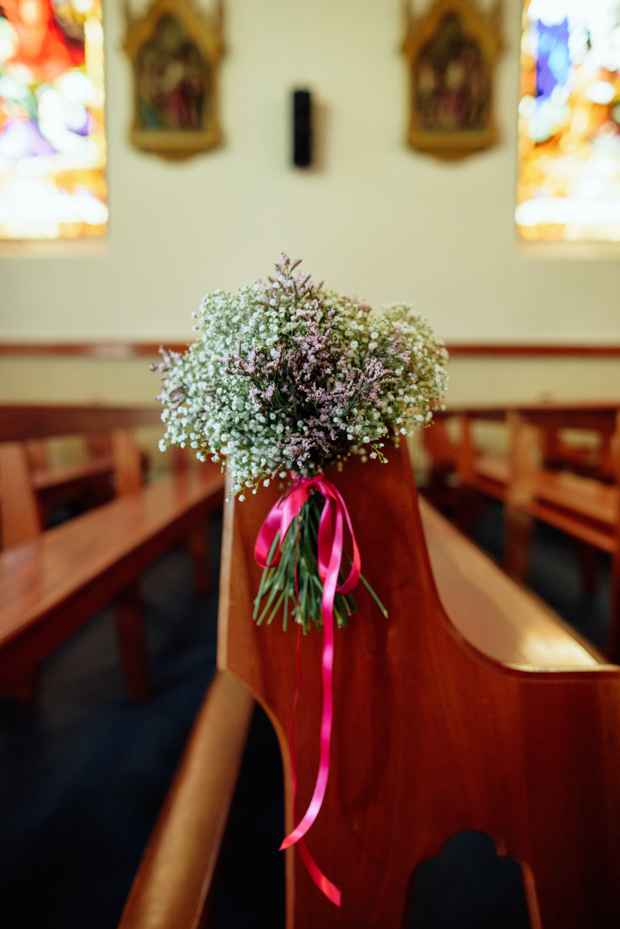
(322, 882)
(330, 550)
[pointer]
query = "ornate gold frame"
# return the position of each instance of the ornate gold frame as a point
(484, 29)
(207, 33)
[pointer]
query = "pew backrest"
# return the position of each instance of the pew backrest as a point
(23, 459)
(431, 736)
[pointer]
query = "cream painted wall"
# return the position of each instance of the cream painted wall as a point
(373, 218)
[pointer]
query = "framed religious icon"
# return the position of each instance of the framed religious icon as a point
(175, 51)
(451, 51)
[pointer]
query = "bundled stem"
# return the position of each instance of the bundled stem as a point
(295, 582)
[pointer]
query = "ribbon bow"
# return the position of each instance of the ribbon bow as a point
(330, 549)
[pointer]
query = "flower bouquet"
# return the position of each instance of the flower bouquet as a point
(288, 380)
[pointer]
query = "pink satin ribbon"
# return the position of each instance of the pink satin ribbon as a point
(330, 550)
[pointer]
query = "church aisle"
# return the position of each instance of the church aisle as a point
(83, 771)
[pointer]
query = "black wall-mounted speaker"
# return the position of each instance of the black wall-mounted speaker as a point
(302, 128)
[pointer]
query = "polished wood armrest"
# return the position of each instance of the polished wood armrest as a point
(53, 584)
(172, 884)
(492, 612)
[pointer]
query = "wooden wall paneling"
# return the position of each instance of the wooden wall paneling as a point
(524, 349)
(430, 737)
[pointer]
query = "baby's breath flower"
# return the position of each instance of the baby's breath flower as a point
(290, 376)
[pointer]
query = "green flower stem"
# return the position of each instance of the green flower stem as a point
(295, 579)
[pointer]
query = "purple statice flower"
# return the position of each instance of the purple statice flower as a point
(291, 377)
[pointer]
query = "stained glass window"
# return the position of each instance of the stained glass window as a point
(569, 121)
(52, 142)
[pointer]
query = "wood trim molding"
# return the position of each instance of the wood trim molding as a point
(123, 350)
(513, 348)
(22, 421)
(89, 349)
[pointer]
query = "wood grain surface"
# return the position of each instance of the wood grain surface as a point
(431, 736)
(51, 585)
(122, 349)
(174, 879)
(21, 422)
(500, 618)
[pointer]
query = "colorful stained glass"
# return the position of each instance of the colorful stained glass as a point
(569, 121)
(52, 141)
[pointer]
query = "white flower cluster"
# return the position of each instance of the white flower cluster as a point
(288, 377)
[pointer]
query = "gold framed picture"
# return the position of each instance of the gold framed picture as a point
(175, 51)
(452, 51)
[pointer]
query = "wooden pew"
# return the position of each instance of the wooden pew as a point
(83, 486)
(490, 473)
(87, 484)
(586, 509)
(29, 488)
(52, 582)
(532, 485)
(484, 713)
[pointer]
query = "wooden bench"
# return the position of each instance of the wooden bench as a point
(52, 582)
(490, 473)
(551, 420)
(83, 485)
(506, 639)
(531, 486)
(585, 508)
(29, 488)
(78, 486)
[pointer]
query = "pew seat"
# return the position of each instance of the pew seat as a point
(495, 615)
(52, 584)
(543, 477)
(498, 616)
(589, 500)
(583, 507)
